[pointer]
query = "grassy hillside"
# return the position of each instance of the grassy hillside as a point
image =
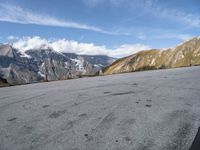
(186, 54)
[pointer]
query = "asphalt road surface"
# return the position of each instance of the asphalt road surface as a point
(151, 110)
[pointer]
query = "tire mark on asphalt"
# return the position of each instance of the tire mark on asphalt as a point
(25, 129)
(122, 93)
(179, 138)
(124, 128)
(57, 114)
(107, 85)
(184, 124)
(146, 144)
(71, 123)
(1, 98)
(26, 99)
(45, 106)
(68, 127)
(12, 119)
(97, 135)
(180, 123)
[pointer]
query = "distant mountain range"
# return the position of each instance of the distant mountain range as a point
(37, 65)
(18, 67)
(183, 55)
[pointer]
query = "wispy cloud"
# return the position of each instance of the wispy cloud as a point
(96, 3)
(154, 8)
(64, 45)
(116, 3)
(16, 14)
(141, 36)
(179, 16)
(182, 37)
(176, 15)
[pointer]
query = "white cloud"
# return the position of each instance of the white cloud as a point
(128, 49)
(11, 37)
(17, 14)
(63, 45)
(27, 43)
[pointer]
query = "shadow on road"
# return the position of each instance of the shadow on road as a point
(196, 143)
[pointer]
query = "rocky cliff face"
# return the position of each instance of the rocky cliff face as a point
(185, 54)
(18, 67)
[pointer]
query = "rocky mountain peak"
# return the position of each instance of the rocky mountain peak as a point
(46, 64)
(6, 50)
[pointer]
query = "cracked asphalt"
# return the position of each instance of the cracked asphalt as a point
(151, 110)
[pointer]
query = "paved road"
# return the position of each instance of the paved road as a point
(152, 110)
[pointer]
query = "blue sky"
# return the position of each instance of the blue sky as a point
(109, 24)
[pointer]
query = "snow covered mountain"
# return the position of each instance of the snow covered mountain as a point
(18, 67)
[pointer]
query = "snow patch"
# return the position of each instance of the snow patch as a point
(24, 55)
(98, 65)
(41, 74)
(79, 64)
(66, 65)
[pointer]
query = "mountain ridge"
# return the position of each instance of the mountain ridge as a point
(183, 55)
(35, 65)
